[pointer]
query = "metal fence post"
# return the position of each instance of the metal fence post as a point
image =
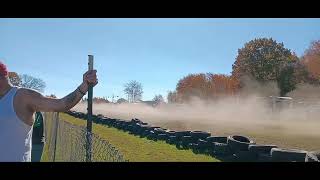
(89, 121)
(56, 135)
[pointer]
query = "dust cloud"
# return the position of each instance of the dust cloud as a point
(252, 113)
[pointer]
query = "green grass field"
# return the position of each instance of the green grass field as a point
(136, 149)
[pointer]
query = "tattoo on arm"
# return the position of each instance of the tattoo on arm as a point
(37, 102)
(72, 99)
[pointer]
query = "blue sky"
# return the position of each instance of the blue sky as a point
(155, 52)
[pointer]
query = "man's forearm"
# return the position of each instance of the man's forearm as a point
(73, 98)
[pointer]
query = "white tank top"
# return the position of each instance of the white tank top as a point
(15, 135)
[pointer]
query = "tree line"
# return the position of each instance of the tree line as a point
(262, 59)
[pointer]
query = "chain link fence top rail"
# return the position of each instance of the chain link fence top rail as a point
(67, 142)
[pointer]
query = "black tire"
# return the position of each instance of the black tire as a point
(125, 127)
(204, 146)
(199, 134)
(264, 158)
(239, 143)
(221, 149)
(218, 139)
(145, 127)
(139, 131)
(146, 133)
(312, 157)
(261, 149)
(191, 145)
(162, 137)
(134, 121)
(195, 148)
(136, 128)
(119, 124)
(170, 133)
(168, 140)
(82, 115)
(159, 131)
(180, 134)
(245, 156)
(172, 140)
(316, 153)
(76, 115)
(288, 155)
(99, 120)
(210, 148)
(104, 121)
(100, 116)
(151, 136)
(185, 141)
(130, 128)
(178, 145)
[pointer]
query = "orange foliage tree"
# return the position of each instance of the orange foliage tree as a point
(311, 59)
(204, 86)
(14, 79)
(223, 85)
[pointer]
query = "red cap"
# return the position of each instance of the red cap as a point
(3, 70)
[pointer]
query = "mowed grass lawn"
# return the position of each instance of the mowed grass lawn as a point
(136, 149)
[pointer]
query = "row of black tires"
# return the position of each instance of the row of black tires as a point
(231, 148)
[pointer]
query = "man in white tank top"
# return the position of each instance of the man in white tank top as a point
(17, 108)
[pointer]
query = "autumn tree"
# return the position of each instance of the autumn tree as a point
(196, 85)
(14, 78)
(311, 59)
(205, 86)
(222, 85)
(265, 60)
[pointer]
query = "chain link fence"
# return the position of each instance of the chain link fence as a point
(65, 141)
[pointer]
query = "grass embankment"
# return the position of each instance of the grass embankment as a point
(136, 149)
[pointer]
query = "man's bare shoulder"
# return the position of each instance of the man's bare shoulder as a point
(28, 93)
(26, 98)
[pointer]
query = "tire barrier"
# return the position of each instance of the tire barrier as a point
(185, 141)
(236, 147)
(288, 155)
(170, 133)
(159, 131)
(172, 140)
(152, 136)
(196, 135)
(162, 137)
(219, 139)
(264, 158)
(239, 143)
(312, 157)
(222, 149)
(180, 134)
(258, 150)
(245, 156)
